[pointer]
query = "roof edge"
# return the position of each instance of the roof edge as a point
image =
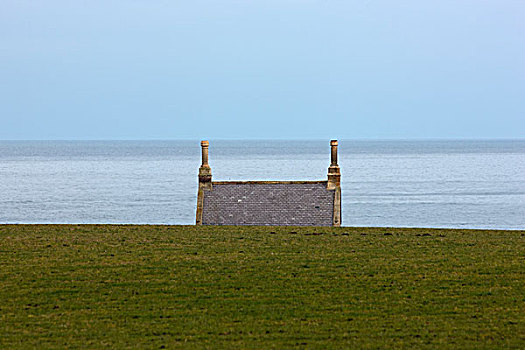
(266, 182)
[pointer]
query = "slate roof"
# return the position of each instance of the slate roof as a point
(285, 203)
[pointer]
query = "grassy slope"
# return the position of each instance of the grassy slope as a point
(253, 287)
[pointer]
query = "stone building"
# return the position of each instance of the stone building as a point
(273, 203)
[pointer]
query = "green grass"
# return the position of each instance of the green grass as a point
(95, 286)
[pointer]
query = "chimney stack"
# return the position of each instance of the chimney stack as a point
(334, 173)
(205, 170)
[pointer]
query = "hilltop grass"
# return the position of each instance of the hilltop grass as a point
(96, 286)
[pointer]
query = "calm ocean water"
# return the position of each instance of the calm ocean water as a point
(459, 184)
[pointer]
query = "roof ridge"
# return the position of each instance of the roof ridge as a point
(267, 182)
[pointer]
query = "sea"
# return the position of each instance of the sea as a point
(443, 184)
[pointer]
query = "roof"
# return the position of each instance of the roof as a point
(270, 203)
(285, 203)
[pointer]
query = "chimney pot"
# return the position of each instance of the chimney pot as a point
(333, 144)
(204, 146)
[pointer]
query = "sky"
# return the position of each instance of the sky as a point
(262, 69)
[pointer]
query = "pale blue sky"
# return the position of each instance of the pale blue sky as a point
(298, 69)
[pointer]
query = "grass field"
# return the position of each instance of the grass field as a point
(96, 286)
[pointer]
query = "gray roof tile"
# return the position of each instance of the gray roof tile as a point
(265, 203)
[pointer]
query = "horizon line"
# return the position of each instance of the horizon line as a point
(272, 139)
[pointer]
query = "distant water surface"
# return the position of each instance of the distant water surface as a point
(457, 184)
